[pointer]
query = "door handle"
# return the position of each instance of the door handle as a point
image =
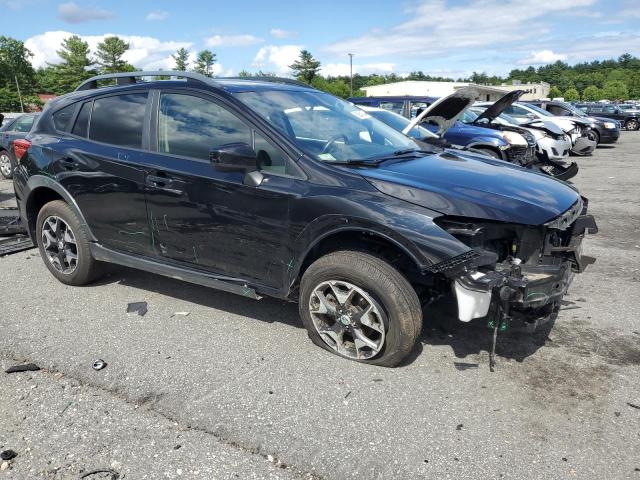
(163, 182)
(159, 181)
(69, 164)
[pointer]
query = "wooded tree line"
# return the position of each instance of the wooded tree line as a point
(19, 82)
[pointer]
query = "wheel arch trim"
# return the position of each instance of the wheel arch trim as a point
(38, 182)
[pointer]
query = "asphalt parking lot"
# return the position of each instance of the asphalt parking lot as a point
(236, 390)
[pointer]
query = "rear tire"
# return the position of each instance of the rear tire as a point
(60, 238)
(371, 312)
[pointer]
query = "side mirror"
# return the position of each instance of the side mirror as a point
(531, 116)
(234, 157)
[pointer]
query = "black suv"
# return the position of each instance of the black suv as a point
(273, 188)
(602, 130)
(630, 120)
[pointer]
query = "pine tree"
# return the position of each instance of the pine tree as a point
(110, 53)
(74, 67)
(182, 59)
(306, 67)
(204, 62)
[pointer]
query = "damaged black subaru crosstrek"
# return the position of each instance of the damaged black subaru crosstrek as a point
(269, 187)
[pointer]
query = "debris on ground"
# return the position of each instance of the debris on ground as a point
(8, 455)
(95, 474)
(465, 365)
(633, 405)
(376, 380)
(348, 393)
(459, 426)
(27, 367)
(180, 314)
(99, 364)
(137, 307)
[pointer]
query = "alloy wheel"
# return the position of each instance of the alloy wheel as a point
(5, 165)
(59, 243)
(632, 125)
(348, 319)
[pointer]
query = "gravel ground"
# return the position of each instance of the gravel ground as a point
(238, 385)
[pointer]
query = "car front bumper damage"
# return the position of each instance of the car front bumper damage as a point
(527, 293)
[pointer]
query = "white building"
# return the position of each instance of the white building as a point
(533, 91)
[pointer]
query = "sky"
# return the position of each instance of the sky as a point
(440, 37)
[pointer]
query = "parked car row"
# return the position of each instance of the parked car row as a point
(270, 187)
(530, 134)
(627, 116)
(11, 129)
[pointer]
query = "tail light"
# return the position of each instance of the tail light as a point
(20, 147)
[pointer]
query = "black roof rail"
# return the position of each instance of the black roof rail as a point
(128, 78)
(284, 80)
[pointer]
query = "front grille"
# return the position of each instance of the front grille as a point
(521, 155)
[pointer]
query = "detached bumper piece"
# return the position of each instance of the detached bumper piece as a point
(13, 235)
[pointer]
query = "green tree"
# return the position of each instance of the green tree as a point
(74, 68)
(571, 95)
(17, 77)
(334, 86)
(204, 62)
(615, 90)
(592, 94)
(110, 53)
(182, 59)
(554, 92)
(306, 67)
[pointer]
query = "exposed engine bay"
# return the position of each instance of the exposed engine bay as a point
(516, 272)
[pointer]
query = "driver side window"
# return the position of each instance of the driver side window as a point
(192, 126)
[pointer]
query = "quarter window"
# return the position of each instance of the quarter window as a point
(62, 117)
(82, 122)
(119, 120)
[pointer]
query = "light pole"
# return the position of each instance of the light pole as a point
(351, 72)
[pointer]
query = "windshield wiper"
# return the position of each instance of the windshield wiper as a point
(398, 155)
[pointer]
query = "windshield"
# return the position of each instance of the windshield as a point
(399, 123)
(325, 127)
(576, 111)
(468, 117)
(539, 110)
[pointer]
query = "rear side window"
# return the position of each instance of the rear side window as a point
(82, 121)
(192, 126)
(118, 120)
(62, 118)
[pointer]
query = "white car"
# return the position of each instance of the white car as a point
(551, 141)
(575, 127)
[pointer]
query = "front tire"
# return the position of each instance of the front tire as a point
(489, 152)
(632, 124)
(64, 246)
(358, 306)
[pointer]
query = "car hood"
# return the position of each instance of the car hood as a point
(544, 125)
(445, 111)
(500, 105)
(474, 186)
